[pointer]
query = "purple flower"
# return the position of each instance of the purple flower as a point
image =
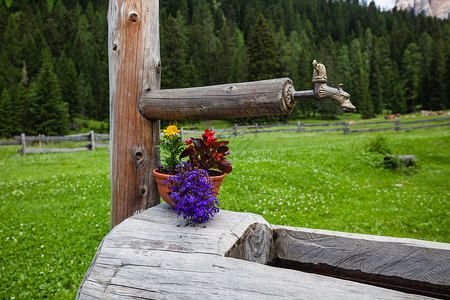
(193, 194)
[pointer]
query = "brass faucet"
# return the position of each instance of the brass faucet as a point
(321, 90)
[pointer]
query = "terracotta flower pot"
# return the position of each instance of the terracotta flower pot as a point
(164, 189)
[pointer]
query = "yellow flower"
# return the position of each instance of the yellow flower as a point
(171, 130)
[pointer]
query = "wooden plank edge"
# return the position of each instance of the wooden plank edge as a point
(319, 262)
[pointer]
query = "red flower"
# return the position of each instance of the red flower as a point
(207, 153)
(210, 139)
(208, 133)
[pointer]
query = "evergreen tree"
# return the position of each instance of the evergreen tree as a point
(173, 55)
(68, 78)
(397, 102)
(192, 75)
(10, 62)
(375, 78)
(411, 75)
(52, 117)
(238, 68)
(20, 105)
(86, 100)
(359, 63)
(6, 126)
(438, 89)
(226, 50)
(426, 45)
(203, 42)
(100, 88)
(215, 35)
(31, 54)
(262, 60)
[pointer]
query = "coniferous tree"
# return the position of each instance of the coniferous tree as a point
(426, 45)
(202, 41)
(173, 55)
(226, 50)
(68, 78)
(262, 60)
(375, 78)
(100, 87)
(216, 33)
(84, 90)
(6, 126)
(21, 104)
(52, 117)
(192, 74)
(438, 89)
(238, 68)
(411, 75)
(360, 69)
(397, 102)
(10, 62)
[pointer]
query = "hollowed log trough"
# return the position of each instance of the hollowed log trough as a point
(154, 255)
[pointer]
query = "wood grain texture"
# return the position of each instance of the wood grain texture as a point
(134, 67)
(256, 245)
(234, 100)
(395, 261)
(154, 255)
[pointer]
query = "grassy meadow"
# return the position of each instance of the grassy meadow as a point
(55, 207)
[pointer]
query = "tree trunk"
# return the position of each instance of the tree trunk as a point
(134, 68)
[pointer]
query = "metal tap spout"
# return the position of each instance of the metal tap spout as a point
(322, 91)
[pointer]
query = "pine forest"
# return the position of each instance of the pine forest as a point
(54, 56)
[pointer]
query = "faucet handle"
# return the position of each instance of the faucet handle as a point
(323, 91)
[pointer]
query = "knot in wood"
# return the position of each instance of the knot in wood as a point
(134, 17)
(158, 67)
(230, 88)
(139, 156)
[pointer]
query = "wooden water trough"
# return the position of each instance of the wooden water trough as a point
(154, 255)
(151, 254)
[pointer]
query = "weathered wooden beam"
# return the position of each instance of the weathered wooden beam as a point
(50, 150)
(134, 67)
(9, 143)
(154, 255)
(67, 138)
(234, 100)
(405, 264)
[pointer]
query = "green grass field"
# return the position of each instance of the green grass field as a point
(55, 207)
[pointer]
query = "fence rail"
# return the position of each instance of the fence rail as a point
(345, 127)
(96, 139)
(93, 139)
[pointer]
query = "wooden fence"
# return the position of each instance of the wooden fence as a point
(346, 127)
(93, 139)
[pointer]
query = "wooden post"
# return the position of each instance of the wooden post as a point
(235, 130)
(256, 128)
(397, 125)
(92, 136)
(134, 68)
(23, 151)
(346, 128)
(299, 126)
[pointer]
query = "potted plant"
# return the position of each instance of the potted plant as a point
(206, 162)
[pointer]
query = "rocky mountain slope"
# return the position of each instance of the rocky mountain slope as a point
(432, 8)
